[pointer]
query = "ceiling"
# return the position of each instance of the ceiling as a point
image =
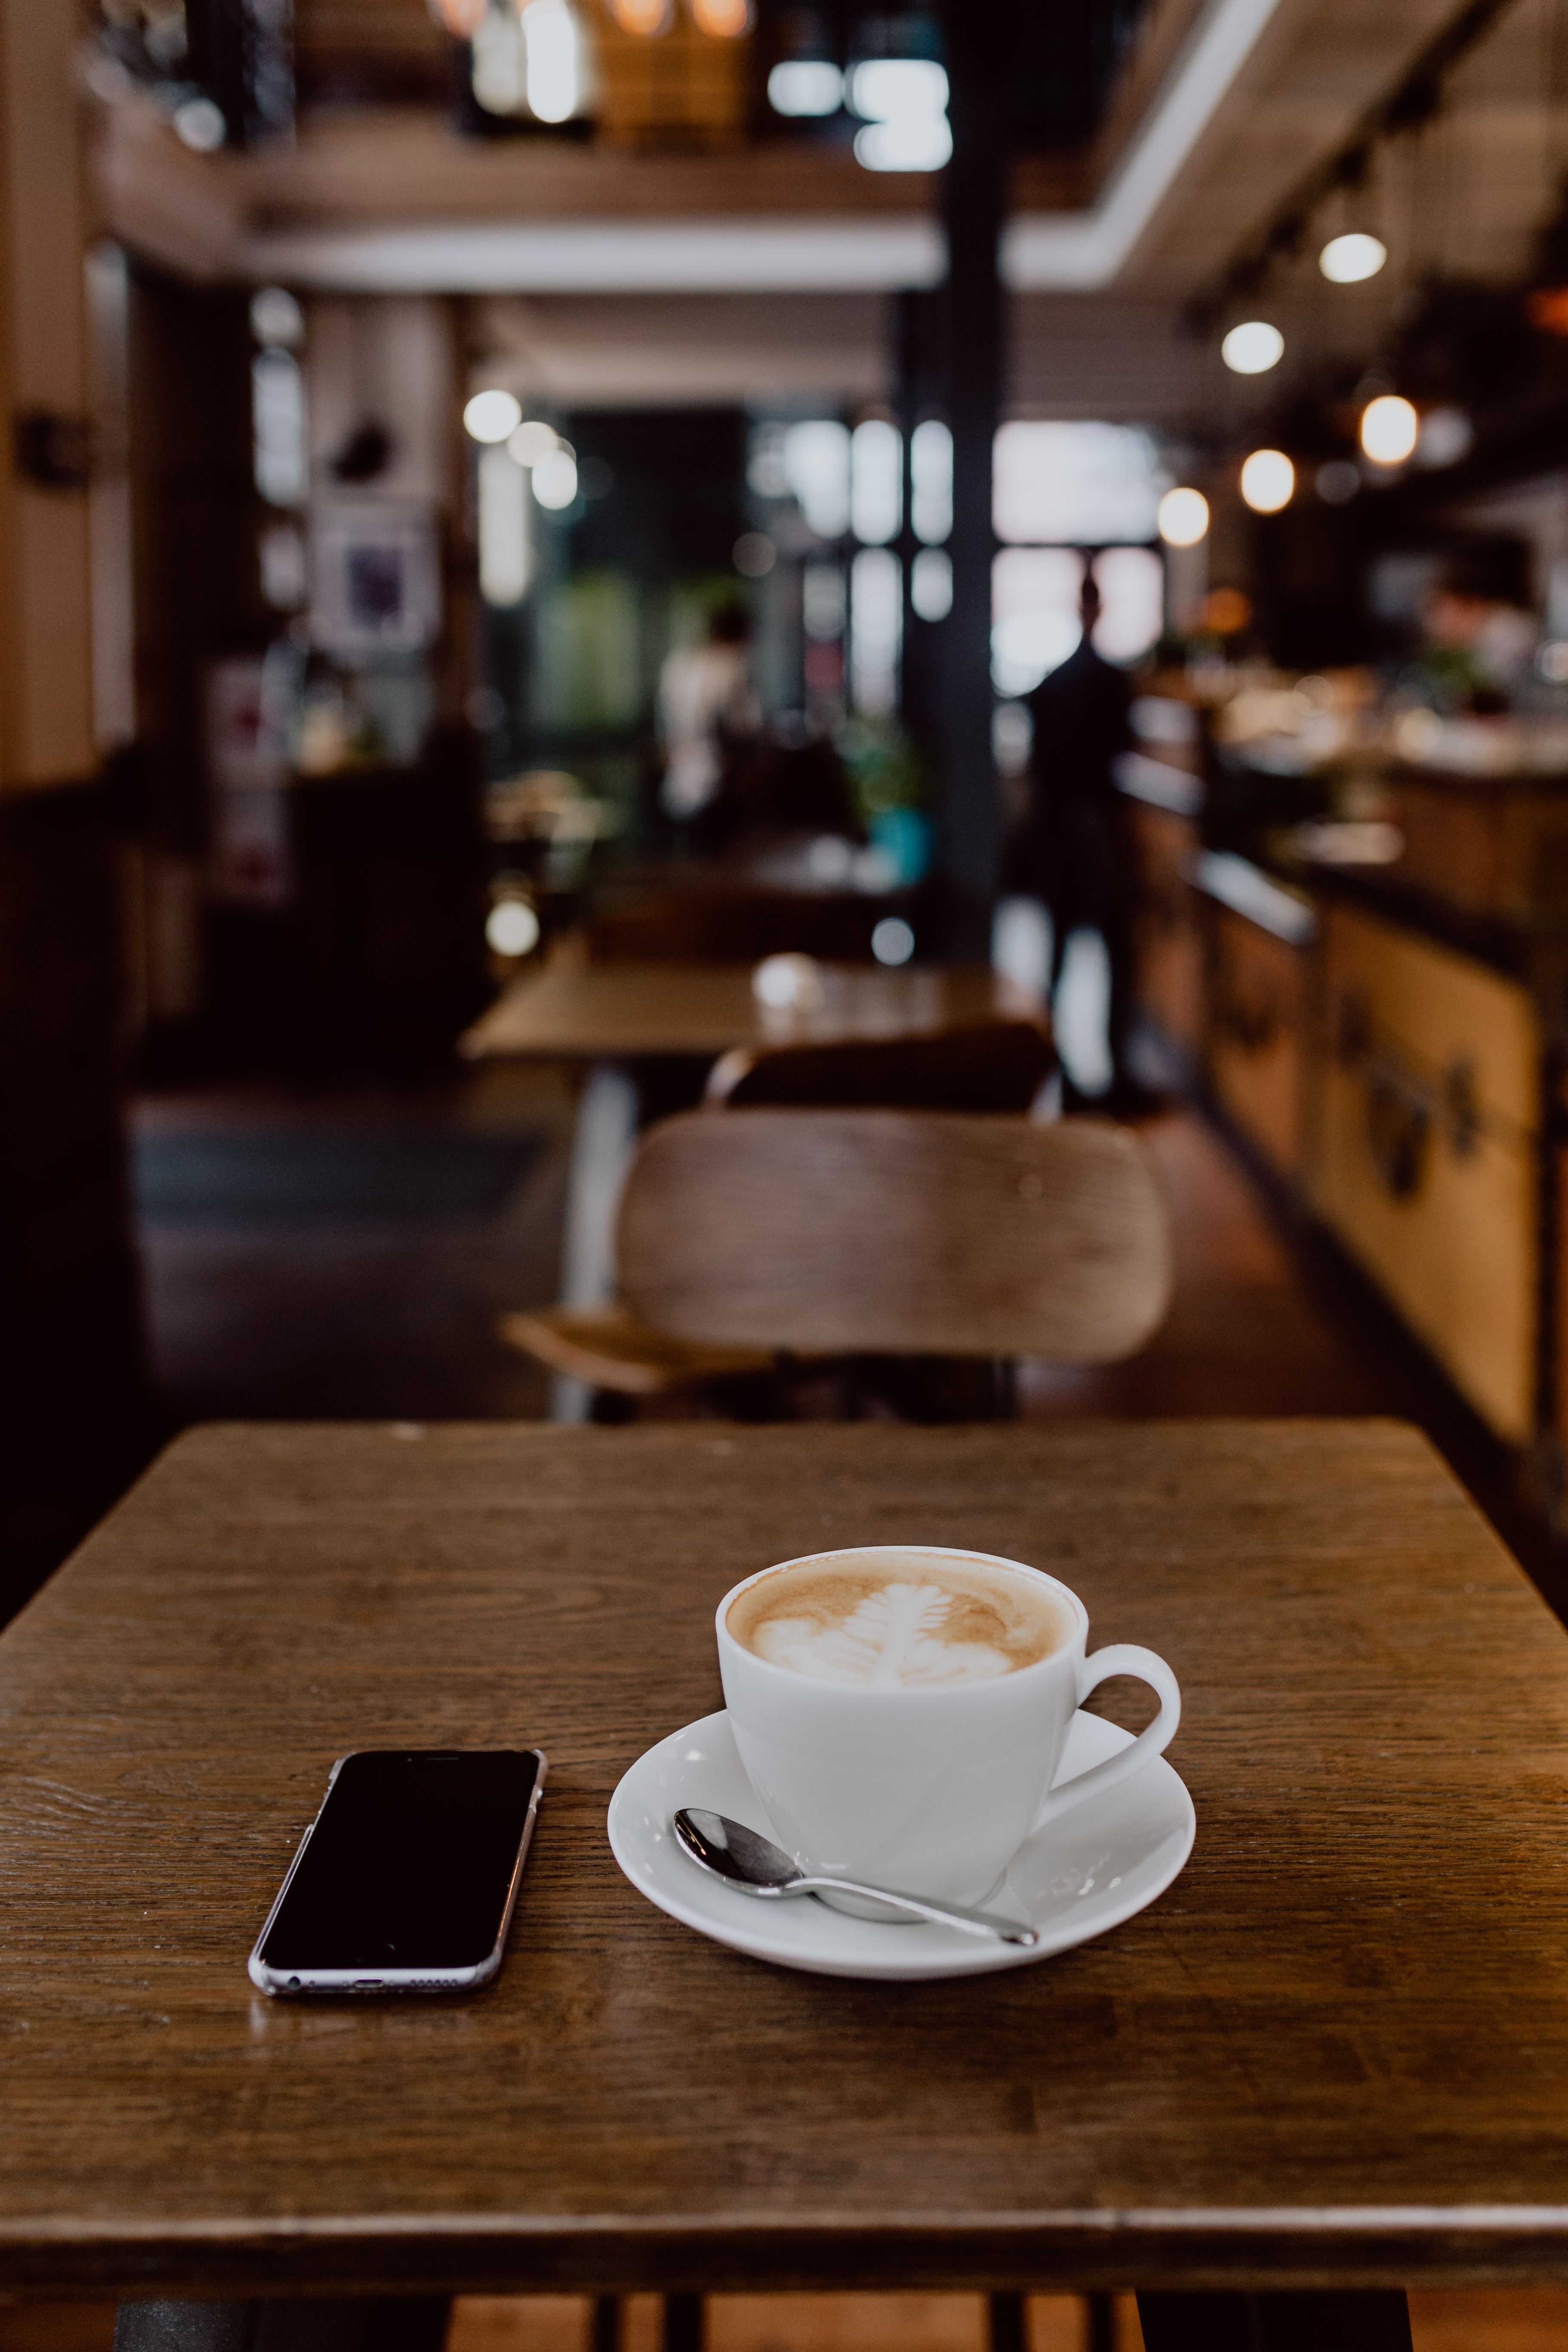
(623, 278)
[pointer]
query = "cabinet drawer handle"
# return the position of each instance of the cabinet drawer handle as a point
(1398, 1127)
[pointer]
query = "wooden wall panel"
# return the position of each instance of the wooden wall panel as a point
(46, 627)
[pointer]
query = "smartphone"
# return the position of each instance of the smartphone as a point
(406, 1880)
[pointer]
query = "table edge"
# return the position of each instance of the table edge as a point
(1083, 2250)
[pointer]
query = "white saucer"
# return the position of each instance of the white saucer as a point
(1086, 1872)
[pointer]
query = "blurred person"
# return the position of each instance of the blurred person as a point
(1477, 645)
(709, 720)
(1070, 850)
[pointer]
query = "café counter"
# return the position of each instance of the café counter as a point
(1389, 1041)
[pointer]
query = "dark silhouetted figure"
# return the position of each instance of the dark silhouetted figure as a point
(1070, 849)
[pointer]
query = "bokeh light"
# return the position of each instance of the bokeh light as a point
(1389, 429)
(492, 415)
(1253, 348)
(1183, 517)
(1268, 481)
(1346, 260)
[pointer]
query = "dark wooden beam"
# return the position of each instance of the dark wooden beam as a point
(974, 205)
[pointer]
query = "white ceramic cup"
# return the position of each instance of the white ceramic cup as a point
(929, 1790)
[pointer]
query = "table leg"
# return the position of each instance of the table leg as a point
(374, 2323)
(683, 2329)
(1333, 2322)
(601, 1147)
(1007, 2330)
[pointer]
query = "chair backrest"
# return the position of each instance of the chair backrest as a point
(996, 1065)
(737, 923)
(897, 1233)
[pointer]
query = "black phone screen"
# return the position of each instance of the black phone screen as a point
(410, 1863)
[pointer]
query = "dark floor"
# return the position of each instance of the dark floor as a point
(345, 1256)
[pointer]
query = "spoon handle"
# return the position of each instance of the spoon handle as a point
(948, 1915)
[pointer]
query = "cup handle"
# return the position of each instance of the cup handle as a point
(1120, 1658)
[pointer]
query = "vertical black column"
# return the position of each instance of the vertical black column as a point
(919, 386)
(242, 55)
(974, 205)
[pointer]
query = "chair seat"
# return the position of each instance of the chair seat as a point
(609, 1349)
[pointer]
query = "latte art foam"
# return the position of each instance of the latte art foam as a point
(914, 1623)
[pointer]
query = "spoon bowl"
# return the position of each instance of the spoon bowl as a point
(753, 1864)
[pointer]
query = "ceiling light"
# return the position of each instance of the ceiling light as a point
(555, 478)
(1253, 348)
(643, 18)
(1346, 260)
(1268, 480)
(1389, 429)
(492, 415)
(1183, 517)
(723, 20)
(533, 441)
(806, 86)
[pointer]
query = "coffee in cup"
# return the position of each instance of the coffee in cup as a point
(901, 1710)
(925, 1624)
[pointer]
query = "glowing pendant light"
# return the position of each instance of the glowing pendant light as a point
(725, 20)
(643, 18)
(1389, 429)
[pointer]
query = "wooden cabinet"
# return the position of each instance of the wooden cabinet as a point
(1423, 1159)
(1260, 942)
(1167, 947)
(1160, 808)
(1489, 845)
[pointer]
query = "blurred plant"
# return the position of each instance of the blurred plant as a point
(886, 767)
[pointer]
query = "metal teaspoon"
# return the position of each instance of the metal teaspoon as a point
(743, 1858)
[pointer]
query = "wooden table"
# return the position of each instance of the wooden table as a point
(1334, 2054)
(616, 1011)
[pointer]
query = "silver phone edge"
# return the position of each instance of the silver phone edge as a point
(276, 1985)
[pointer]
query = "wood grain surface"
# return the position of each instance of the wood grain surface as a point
(1336, 2050)
(997, 1065)
(598, 1012)
(895, 1231)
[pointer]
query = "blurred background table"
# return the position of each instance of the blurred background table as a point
(620, 1011)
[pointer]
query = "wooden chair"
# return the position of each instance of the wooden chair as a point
(896, 1233)
(606, 1347)
(981, 1066)
(991, 1065)
(731, 921)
